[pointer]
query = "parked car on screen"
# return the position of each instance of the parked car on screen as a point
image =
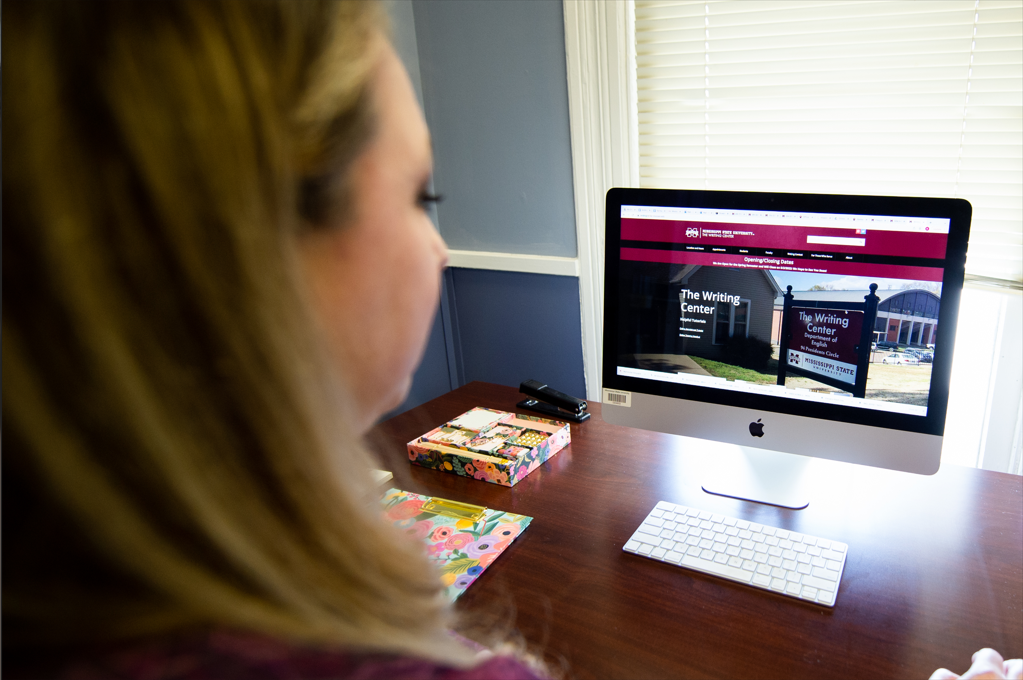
(907, 359)
(884, 344)
(923, 355)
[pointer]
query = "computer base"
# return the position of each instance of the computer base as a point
(760, 476)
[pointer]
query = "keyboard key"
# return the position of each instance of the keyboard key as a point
(749, 565)
(772, 540)
(833, 565)
(769, 531)
(803, 568)
(708, 555)
(735, 562)
(826, 597)
(721, 558)
(732, 551)
(657, 513)
(745, 534)
(793, 589)
(826, 574)
(673, 556)
(632, 546)
(781, 533)
(760, 557)
(777, 584)
(785, 544)
(658, 553)
(694, 551)
(719, 569)
(809, 593)
(788, 564)
(746, 554)
(815, 582)
(645, 549)
(762, 580)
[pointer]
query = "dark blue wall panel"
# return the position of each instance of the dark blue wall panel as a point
(515, 327)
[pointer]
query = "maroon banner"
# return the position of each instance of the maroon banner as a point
(888, 271)
(782, 238)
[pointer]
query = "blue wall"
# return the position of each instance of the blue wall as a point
(496, 97)
(492, 77)
(522, 326)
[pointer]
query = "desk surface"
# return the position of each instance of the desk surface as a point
(934, 573)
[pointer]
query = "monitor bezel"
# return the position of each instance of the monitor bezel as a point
(957, 211)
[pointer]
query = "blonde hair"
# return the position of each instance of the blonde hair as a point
(176, 452)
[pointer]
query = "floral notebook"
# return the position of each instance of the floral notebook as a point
(462, 548)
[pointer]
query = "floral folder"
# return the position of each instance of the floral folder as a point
(462, 547)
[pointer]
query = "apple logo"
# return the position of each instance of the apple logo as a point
(756, 429)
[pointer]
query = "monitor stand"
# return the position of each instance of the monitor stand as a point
(758, 475)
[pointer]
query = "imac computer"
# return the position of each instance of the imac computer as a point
(774, 328)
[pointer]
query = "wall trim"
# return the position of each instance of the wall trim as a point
(514, 262)
(601, 66)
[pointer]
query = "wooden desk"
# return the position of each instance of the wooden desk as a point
(934, 573)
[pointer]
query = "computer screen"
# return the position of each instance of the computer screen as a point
(818, 325)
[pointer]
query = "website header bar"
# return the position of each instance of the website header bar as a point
(790, 219)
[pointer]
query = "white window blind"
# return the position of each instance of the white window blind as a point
(890, 98)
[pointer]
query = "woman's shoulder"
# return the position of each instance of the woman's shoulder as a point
(230, 655)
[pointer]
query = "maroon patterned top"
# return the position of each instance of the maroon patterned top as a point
(230, 655)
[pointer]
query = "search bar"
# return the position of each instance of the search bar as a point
(836, 240)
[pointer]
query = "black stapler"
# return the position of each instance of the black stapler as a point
(564, 407)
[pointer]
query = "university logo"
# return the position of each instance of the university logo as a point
(692, 232)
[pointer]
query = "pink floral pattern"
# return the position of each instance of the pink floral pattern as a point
(462, 550)
(515, 463)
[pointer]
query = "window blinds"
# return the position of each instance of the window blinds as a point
(892, 98)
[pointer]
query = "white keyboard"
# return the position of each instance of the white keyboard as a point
(805, 567)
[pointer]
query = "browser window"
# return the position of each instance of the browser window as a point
(780, 303)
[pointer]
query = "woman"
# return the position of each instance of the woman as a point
(218, 273)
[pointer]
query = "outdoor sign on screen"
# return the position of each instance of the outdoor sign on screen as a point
(823, 341)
